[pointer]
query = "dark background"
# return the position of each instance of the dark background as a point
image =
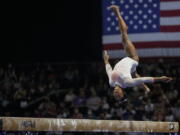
(51, 32)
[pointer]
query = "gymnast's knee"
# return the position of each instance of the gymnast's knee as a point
(136, 58)
(125, 38)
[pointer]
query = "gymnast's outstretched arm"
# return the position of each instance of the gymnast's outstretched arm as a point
(107, 64)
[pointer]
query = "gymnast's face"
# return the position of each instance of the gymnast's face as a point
(118, 92)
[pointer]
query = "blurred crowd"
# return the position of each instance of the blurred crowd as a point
(82, 91)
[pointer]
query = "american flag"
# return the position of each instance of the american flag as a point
(154, 27)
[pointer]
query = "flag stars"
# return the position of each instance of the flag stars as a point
(140, 1)
(131, 12)
(126, 17)
(135, 17)
(150, 11)
(154, 16)
(131, 22)
(145, 5)
(112, 14)
(122, 1)
(126, 6)
(117, 28)
(135, 27)
(149, 21)
(116, 19)
(154, 26)
(108, 19)
(145, 16)
(154, 5)
(113, 2)
(140, 12)
(131, 1)
(108, 29)
(113, 23)
(149, 1)
(144, 26)
(140, 15)
(136, 6)
(140, 22)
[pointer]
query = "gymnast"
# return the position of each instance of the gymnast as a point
(121, 76)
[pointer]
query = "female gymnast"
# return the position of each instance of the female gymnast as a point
(121, 76)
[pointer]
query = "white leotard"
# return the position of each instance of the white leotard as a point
(124, 68)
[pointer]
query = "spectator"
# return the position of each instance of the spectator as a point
(22, 88)
(93, 102)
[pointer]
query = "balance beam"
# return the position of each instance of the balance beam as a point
(85, 125)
